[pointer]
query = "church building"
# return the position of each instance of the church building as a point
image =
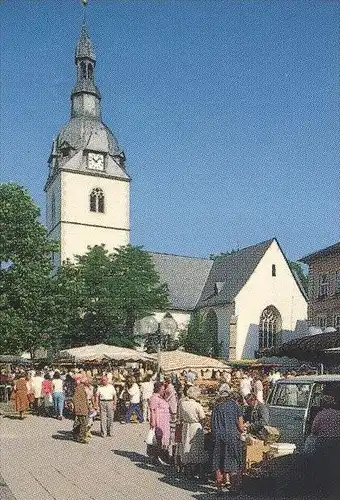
(251, 299)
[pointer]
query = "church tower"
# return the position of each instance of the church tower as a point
(88, 188)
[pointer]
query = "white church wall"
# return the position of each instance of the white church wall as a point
(76, 238)
(263, 290)
(92, 228)
(76, 190)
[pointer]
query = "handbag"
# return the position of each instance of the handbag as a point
(151, 437)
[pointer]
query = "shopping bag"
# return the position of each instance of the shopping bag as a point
(151, 437)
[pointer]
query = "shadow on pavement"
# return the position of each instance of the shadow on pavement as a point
(170, 476)
(63, 436)
(14, 417)
(133, 456)
(95, 433)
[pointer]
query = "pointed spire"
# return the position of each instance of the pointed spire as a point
(85, 60)
(84, 48)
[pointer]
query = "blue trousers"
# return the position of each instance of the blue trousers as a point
(134, 408)
(58, 400)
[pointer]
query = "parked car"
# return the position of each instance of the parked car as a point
(293, 404)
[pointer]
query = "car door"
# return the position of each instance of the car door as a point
(288, 407)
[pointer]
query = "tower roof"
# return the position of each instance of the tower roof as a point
(84, 47)
(85, 131)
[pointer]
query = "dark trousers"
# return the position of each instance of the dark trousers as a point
(134, 408)
(37, 405)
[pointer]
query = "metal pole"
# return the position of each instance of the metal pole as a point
(159, 357)
(321, 369)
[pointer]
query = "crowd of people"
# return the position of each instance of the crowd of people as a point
(185, 431)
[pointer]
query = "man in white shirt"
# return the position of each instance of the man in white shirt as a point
(134, 406)
(36, 382)
(245, 385)
(106, 401)
(146, 389)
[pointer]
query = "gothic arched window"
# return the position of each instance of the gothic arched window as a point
(269, 327)
(97, 200)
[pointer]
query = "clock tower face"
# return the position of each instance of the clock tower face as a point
(95, 161)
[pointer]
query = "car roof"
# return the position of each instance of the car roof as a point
(310, 378)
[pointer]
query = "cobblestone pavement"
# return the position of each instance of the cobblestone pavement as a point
(39, 461)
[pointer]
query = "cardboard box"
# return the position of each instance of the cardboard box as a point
(255, 452)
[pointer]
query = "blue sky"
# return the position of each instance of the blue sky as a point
(228, 112)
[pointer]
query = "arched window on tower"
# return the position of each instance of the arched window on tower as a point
(90, 71)
(83, 69)
(269, 328)
(97, 200)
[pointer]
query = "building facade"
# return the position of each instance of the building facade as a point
(88, 188)
(251, 299)
(324, 287)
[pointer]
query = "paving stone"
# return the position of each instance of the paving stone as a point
(39, 461)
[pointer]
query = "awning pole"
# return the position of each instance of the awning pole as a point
(321, 369)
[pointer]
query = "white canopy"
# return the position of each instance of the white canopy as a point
(102, 351)
(172, 361)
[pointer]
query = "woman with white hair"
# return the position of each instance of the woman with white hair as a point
(191, 415)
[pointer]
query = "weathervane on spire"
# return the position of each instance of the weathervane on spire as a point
(84, 2)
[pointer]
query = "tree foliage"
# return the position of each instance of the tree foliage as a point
(25, 293)
(298, 270)
(201, 337)
(105, 293)
(213, 256)
(95, 299)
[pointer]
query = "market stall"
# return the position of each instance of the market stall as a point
(102, 352)
(203, 366)
(323, 348)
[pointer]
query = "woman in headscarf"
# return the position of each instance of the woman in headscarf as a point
(190, 416)
(160, 422)
(20, 394)
(226, 427)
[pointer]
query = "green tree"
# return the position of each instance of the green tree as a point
(213, 256)
(137, 286)
(298, 270)
(26, 302)
(103, 294)
(201, 337)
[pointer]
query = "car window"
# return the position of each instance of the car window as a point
(330, 388)
(291, 395)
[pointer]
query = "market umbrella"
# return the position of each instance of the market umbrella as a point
(102, 351)
(172, 361)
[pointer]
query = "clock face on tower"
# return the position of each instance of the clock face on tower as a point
(95, 161)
